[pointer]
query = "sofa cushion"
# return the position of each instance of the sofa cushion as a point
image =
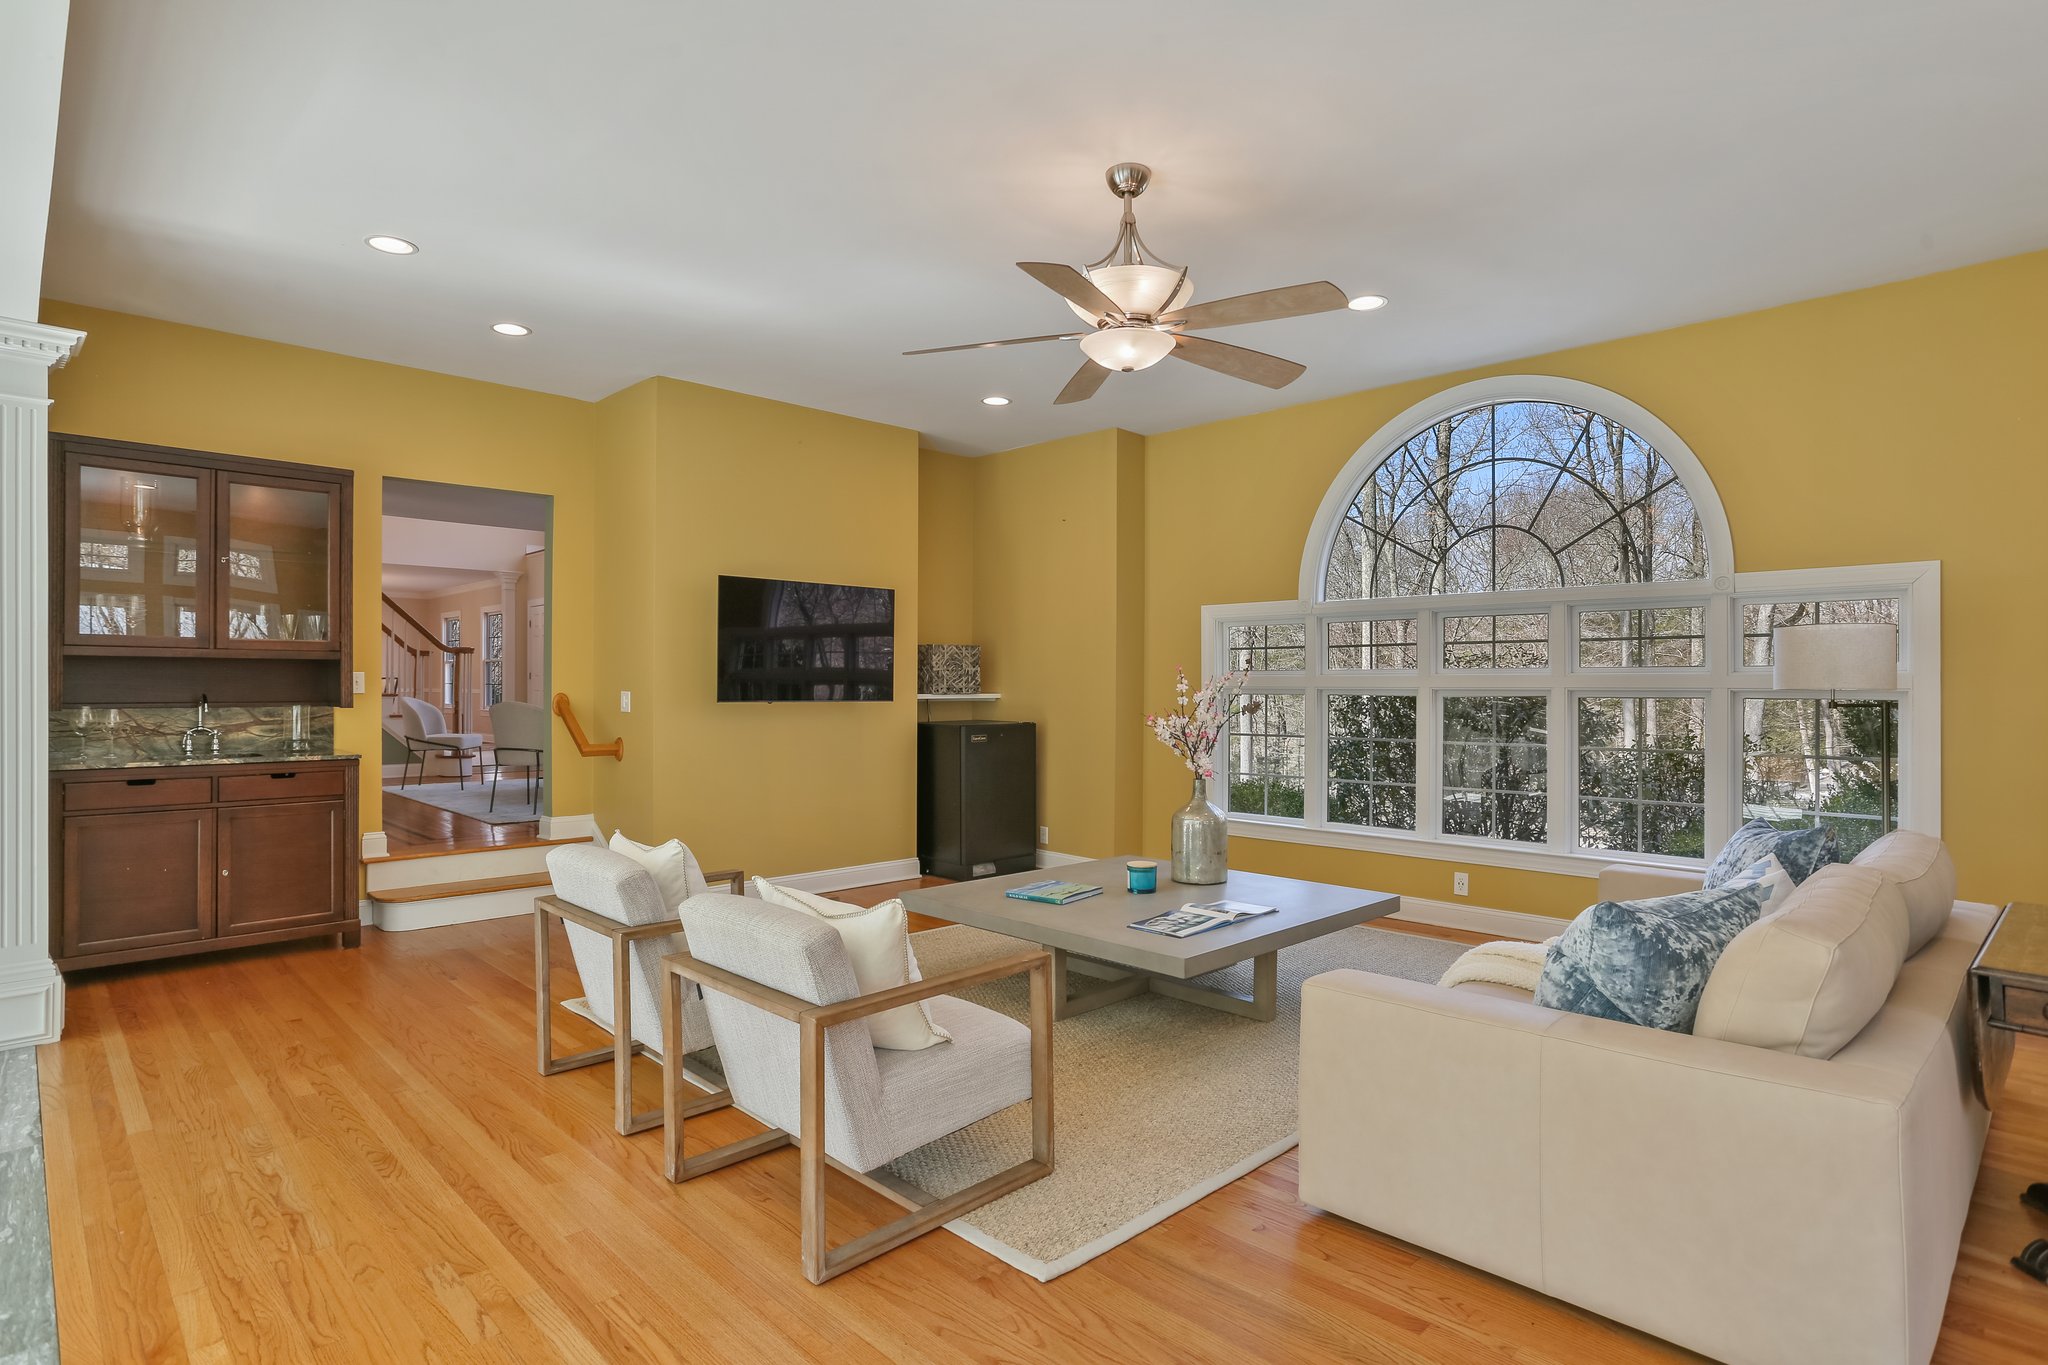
(1802, 851)
(1807, 979)
(1770, 874)
(1926, 875)
(1645, 962)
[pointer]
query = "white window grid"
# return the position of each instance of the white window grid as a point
(1724, 681)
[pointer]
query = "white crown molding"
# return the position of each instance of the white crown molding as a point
(20, 340)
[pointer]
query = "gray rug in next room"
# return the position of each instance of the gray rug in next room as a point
(28, 1309)
(1157, 1102)
(515, 796)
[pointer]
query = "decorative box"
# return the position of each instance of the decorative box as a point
(949, 670)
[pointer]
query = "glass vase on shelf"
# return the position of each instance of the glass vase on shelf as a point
(1201, 841)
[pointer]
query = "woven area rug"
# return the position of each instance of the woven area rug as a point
(1157, 1104)
(473, 798)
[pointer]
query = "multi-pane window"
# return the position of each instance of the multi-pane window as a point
(1268, 757)
(1759, 619)
(1280, 648)
(1643, 775)
(1383, 644)
(1515, 495)
(1496, 767)
(494, 657)
(1519, 641)
(103, 617)
(451, 636)
(102, 554)
(1652, 637)
(1806, 761)
(1371, 745)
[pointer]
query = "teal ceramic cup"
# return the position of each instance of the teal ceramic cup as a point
(1141, 876)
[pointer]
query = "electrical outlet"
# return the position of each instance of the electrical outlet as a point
(360, 689)
(625, 702)
(1045, 836)
(1461, 884)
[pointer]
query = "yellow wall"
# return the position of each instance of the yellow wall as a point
(1054, 557)
(138, 379)
(1891, 424)
(945, 532)
(707, 483)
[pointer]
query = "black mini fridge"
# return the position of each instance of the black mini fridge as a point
(977, 798)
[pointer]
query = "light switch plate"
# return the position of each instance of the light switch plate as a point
(360, 689)
(625, 702)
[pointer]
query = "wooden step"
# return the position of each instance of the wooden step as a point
(405, 895)
(411, 853)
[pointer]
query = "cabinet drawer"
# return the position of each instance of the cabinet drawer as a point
(2025, 1009)
(291, 785)
(137, 792)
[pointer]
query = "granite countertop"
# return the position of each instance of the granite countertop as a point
(73, 763)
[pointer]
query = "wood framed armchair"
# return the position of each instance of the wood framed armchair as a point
(792, 1034)
(618, 929)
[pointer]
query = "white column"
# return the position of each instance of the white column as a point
(31, 992)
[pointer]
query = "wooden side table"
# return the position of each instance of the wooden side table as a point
(2011, 980)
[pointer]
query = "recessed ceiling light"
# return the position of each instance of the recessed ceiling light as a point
(1365, 303)
(996, 400)
(396, 246)
(510, 329)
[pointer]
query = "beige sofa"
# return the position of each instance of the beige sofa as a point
(1750, 1204)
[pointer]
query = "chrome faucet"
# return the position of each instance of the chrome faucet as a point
(199, 731)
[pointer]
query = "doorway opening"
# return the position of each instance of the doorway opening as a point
(464, 702)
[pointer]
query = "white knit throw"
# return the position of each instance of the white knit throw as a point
(1506, 963)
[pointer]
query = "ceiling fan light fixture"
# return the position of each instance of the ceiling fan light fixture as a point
(1127, 348)
(1141, 291)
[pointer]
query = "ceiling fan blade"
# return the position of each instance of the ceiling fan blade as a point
(1071, 285)
(1296, 300)
(1013, 341)
(1085, 382)
(1237, 362)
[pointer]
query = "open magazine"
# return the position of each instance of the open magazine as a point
(1190, 920)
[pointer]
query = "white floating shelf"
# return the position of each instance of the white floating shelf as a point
(959, 696)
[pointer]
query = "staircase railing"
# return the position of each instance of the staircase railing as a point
(616, 749)
(417, 665)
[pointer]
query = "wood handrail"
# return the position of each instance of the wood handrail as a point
(615, 749)
(432, 639)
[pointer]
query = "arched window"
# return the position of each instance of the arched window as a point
(1499, 497)
(1521, 634)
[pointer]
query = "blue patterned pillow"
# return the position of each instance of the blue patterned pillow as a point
(1802, 852)
(1646, 962)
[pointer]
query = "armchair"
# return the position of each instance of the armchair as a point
(618, 929)
(424, 732)
(792, 1034)
(518, 727)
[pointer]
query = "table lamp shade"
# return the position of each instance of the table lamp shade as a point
(1849, 657)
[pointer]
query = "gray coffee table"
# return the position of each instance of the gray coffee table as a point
(1091, 938)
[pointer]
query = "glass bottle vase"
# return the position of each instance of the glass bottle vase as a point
(1200, 842)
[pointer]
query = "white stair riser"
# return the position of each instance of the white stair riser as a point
(455, 867)
(454, 909)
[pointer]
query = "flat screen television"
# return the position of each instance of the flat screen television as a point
(780, 640)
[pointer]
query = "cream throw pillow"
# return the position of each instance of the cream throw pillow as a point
(1806, 979)
(1926, 875)
(672, 865)
(878, 944)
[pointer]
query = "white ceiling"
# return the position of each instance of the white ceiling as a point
(779, 198)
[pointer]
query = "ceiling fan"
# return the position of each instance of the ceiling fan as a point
(1137, 309)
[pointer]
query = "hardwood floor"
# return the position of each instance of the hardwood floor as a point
(307, 1154)
(412, 827)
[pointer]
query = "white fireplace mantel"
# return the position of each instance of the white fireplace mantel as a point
(31, 991)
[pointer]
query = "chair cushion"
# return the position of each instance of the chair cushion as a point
(1926, 877)
(464, 740)
(930, 1093)
(1645, 962)
(1801, 851)
(674, 868)
(1807, 979)
(878, 945)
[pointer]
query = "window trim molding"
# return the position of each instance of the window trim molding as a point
(1509, 388)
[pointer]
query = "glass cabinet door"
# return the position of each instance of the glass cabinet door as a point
(137, 545)
(276, 566)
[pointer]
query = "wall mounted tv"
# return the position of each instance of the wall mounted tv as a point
(780, 640)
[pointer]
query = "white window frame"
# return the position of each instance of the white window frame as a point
(1724, 681)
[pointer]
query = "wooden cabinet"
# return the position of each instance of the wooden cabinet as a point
(160, 862)
(178, 572)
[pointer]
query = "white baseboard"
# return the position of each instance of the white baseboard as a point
(570, 827)
(1479, 919)
(845, 878)
(1048, 858)
(404, 916)
(31, 1004)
